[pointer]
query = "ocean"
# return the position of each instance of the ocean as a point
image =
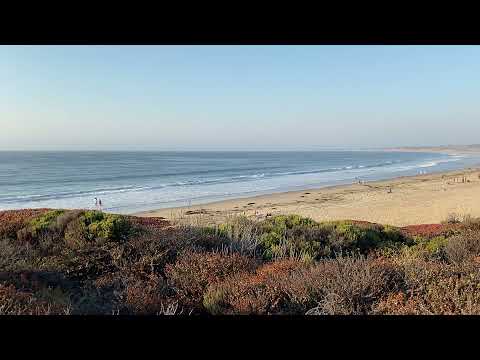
(129, 182)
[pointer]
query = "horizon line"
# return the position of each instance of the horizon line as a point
(338, 148)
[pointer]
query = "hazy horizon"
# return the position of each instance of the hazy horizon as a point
(237, 98)
(331, 149)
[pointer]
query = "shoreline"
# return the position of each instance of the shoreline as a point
(416, 199)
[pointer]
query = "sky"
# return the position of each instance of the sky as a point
(237, 97)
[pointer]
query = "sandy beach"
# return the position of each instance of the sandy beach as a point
(402, 201)
(447, 149)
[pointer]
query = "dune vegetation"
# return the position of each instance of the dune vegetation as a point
(88, 262)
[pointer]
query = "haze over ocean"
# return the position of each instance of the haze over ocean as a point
(175, 98)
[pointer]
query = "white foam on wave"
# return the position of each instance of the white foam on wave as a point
(437, 162)
(429, 164)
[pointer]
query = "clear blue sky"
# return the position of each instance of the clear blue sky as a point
(237, 97)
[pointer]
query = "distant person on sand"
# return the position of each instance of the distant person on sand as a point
(96, 203)
(100, 204)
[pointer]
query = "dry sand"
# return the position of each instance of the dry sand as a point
(449, 149)
(419, 199)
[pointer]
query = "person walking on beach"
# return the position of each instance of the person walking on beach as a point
(100, 204)
(96, 203)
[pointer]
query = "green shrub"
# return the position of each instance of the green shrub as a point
(76, 234)
(433, 248)
(352, 237)
(349, 236)
(62, 220)
(436, 245)
(394, 235)
(13, 220)
(287, 236)
(96, 226)
(294, 236)
(44, 222)
(242, 234)
(38, 226)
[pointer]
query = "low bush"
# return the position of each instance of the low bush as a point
(436, 290)
(352, 285)
(193, 272)
(15, 302)
(291, 236)
(12, 221)
(452, 218)
(433, 248)
(345, 285)
(63, 219)
(463, 247)
(38, 226)
(242, 234)
(44, 222)
(347, 236)
(262, 292)
(287, 236)
(146, 294)
(470, 223)
(96, 227)
(105, 226)
(89, 262)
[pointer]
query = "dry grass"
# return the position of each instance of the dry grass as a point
(16, 302)
(193, 272)
(260, 293)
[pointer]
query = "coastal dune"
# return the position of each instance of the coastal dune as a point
(402, 201)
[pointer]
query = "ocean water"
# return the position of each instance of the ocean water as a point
(129, 182)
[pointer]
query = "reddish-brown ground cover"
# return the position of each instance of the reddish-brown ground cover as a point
(429, 230)
(151, 266)
(152, 223)
(13, 220)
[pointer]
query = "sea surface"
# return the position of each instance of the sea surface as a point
(129, 182)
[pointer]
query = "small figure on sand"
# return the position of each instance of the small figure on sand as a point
(98, 203)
